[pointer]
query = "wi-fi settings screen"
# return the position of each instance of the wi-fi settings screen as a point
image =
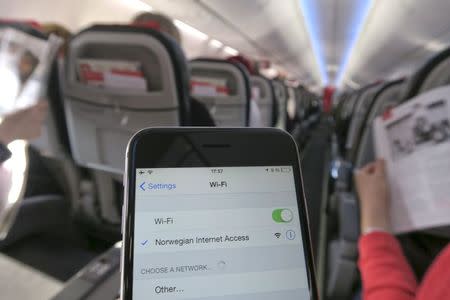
(232, 232)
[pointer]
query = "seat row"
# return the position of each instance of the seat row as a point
(353, 147)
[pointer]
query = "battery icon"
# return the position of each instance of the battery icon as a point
(285, 170)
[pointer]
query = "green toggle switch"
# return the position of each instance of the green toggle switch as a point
(282, 215)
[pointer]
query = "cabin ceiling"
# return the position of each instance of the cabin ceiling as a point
(347, 43)
(336, 42)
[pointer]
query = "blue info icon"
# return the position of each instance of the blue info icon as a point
(290, 234)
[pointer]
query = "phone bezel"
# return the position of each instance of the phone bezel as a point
(243, 147)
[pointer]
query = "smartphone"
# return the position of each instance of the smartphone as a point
(215, 212)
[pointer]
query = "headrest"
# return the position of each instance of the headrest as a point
(244, 62)
(30, 23)
(29, 27)
(359, 116)
(300, 101)
(415, 84)
(387, 96)
(280, 88)
(148, 24)
(269, 95)
(282, 97)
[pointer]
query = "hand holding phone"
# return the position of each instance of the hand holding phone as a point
(215, 213)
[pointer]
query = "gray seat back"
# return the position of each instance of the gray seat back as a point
(388, 96)
(223, 87)
(100, 120)
(362, 108)
(263, 95)
(433, 73)
(281, 93)
(348, 106)
(291, 106)
(439, 76)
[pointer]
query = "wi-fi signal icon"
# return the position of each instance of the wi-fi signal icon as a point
(149, 172)
(277, 235)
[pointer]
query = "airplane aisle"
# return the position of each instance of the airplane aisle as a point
(313, 164)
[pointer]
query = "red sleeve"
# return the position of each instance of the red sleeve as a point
(435, 283)
(384, 270)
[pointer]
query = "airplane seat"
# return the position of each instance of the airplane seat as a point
(276, 106)
(387, 97)
(26, 283)
(301, 100)
(359, 118)
(224, 88)
(101, 119)
(343, 214)
(433, 73)
(164, 102)
(291, 110)
(281, 94)
(342, 166)
(264, 95)
(344, 114)
(390, 95)
(309, 108)
(314, 112)
(301, 131)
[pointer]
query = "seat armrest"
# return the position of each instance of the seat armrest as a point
(38, 214)
(348, 216)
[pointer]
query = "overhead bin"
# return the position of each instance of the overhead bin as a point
(281, 94)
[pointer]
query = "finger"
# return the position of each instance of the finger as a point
(380, 167)
(369, 168)
(42, 104)
(40, 111)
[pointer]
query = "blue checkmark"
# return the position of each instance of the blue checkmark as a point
(144, 243)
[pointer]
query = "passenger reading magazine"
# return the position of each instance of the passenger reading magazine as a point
(414, 140)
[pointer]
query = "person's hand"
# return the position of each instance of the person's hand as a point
(372, 187)
(24, 124)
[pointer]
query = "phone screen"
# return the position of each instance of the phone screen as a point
(231, 232)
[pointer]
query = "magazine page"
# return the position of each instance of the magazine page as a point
(112, 74)
(209, 87)
(414, 140)
(25, 62)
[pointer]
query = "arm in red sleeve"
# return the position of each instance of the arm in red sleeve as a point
(384, 269)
